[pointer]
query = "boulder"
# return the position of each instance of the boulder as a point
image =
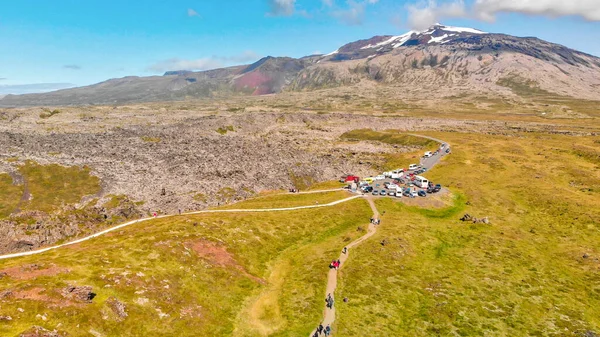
(466, 217)
(81, 294)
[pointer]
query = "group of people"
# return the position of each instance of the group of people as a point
(326, 331)
(375, 221)
(329, 301)
(335, 264)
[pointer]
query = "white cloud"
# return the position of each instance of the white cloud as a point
(354, 15)
(72, 66)
(205, 63)
(328, 3)
(19, 89)
(282, 7)
(423, 14)
(192, 13)
(180, 64)
(587, 9)
(354, 12)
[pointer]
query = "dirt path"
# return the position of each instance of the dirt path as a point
(329, 314)
(39, 251)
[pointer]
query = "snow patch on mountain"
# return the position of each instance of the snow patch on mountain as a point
(440, 39)
(448, 31)
(403, 38)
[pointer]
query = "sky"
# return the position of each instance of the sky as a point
(52, 44)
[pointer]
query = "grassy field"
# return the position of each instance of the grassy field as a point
(389, 137)
(49, 187)
(535, 271)
(204, 275)
(10, 195)
(290, 200)
(52, 186)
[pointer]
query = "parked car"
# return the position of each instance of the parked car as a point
(392, 186)
(437, 188)
(422, 193)
(369, 189)
(380, 177)
(391, 193)
(430, 189)
(427, 154)
(407, 194)
(448, 150)
(413, 167)
(414, 194)
(382, 192)
(375, 192)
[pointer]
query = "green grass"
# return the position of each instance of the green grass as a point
(10, 195)
(522, 275)
(223, 130)
(49, 113)
(389, 137)
(149, 139)
(326, 185)
(52, 186)
(290, 200)
(155, 261)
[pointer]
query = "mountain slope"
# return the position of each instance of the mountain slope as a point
(449, 60)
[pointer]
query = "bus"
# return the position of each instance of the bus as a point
(421, 182)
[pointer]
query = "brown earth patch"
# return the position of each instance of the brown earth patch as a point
(41, 295)
(218, 255)
(32, 271)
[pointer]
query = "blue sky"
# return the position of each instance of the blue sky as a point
(83, 42)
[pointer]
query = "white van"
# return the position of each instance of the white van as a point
(380, 177)
(421, 182)
(413, 167)
(428, 154)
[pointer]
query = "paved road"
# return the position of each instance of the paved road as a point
(39, 251)
(430, 162)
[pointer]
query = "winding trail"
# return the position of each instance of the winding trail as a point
(43, 250)
(329, 314)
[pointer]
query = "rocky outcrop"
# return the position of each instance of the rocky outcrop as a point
(79, 294)
(38, 331)
(117, 307)
(469, 218)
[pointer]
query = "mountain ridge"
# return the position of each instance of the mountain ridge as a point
(454, 58)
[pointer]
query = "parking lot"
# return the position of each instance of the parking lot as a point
(404, 182)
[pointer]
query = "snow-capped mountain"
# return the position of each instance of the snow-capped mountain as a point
(436, 34)
(442, 58)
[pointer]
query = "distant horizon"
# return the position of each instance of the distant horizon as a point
(86, 43)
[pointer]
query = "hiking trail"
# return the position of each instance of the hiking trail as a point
(329, 314)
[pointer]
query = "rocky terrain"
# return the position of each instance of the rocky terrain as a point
(455, 60)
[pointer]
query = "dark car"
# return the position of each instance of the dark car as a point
(407, 193)
(437, 188)
(369, 189)
(430, 189)
(448, 150)
(422, 193)
(383, 192)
